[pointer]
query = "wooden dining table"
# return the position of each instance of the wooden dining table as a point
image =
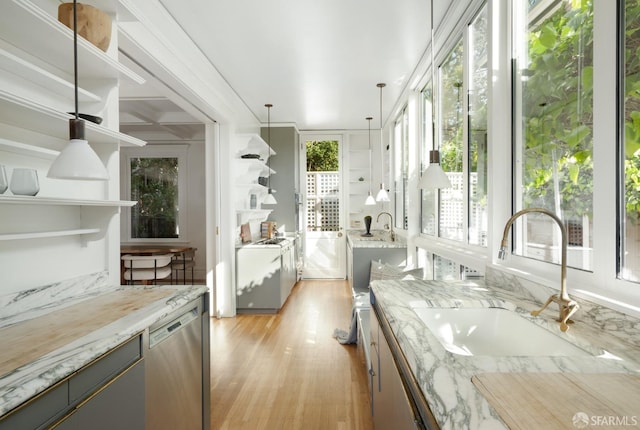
(150, 250)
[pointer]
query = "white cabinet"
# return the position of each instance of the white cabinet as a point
(359, 180)
(36, 96)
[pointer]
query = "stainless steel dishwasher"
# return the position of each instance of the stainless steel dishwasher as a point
(176, 370)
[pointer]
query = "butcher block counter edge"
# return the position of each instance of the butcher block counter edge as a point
(24, 382)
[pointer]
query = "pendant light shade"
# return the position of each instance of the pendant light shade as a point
(370, 200)
(382, 195)
(433, 177)
(77, 160)
(270, 198)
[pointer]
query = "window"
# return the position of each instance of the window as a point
(156, 183)
(451, 224)
(460, 211)
(630, 250)
(429, 207)
(477, 130)
(553, 100)
(401, 170)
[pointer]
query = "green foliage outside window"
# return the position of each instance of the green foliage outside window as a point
(557, 106)
(632, 110)
(154, 185)
(322, 156)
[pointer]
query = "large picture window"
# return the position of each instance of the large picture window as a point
(452, 140)
(155, 182)
(460, 213)
(553, 101)
(630, 198)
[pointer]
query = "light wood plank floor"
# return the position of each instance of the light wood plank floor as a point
(286, 371)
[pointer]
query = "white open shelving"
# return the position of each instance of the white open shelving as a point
(31, 115)
(51, 40)
(49, 234)
(37, 200)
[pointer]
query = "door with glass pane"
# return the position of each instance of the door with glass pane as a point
(325, 241)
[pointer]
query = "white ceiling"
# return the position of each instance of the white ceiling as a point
(317, 62)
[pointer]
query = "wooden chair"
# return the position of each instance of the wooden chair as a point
(181, 262)
(146, 268)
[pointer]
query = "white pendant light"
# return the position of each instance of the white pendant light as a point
(370, 200)
(77, 160)
(382, 195)
(270, 198)
(433, 177)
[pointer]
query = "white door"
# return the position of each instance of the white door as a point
(325, 239)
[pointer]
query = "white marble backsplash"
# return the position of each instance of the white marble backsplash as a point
(27, 304)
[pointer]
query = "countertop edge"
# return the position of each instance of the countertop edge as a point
(23, 383)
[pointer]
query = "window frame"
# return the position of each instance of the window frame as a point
(157, 151)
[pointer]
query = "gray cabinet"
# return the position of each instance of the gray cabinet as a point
(118, 405)
(265, 275)
(391, 406)
(359, 263)
(110, 383)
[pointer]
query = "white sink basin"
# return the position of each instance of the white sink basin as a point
(493, 332)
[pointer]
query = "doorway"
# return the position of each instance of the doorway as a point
(324, 236)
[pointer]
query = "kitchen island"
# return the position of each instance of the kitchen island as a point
(79, 349)
(443, 379)
(362, 250)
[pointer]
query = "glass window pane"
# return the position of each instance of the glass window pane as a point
(405, 170)
(631, 221)
(477, 134)
(398, 173)
(429, 207)
(154, 185)
(553, 42)
(451, 225)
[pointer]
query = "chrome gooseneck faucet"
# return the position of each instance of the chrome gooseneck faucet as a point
(567, 306)
(392, 235)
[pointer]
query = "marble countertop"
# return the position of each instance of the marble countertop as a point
(379, 239)
(42, 367)
(445, 378)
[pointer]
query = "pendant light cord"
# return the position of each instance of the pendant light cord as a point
(370, 169)
(75, 54)
(381, 86)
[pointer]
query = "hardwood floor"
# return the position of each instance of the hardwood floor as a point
(286, 371)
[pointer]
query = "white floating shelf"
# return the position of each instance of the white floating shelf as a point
(252, 187)
(247, 215)
(254, 144)
(24, 149)
(245, 165)
(24, 69)
(52, 42)
(35, 200)
(46, 234)
(31, 115)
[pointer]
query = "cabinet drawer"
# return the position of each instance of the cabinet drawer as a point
(105, 368)
(38, 411)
